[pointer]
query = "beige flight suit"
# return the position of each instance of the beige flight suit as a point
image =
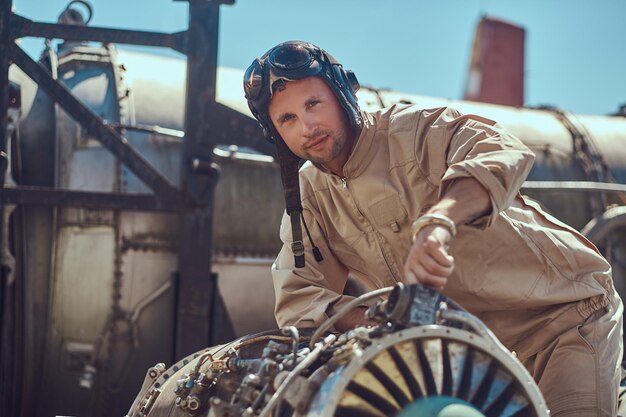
(538, 284)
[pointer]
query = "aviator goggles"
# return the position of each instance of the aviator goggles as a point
(291, 61)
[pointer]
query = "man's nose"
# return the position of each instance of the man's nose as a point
(309, 126)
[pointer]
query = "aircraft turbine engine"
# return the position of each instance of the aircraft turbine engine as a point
(427, 357)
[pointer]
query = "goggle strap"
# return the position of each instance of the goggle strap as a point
(297, 246)
(291, 186)
(316, 251)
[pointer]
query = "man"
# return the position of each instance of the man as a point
(431, 196)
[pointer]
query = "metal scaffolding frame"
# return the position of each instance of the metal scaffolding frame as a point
(193, 200)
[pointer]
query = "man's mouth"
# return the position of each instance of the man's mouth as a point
(315, 143)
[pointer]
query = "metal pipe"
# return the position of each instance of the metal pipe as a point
(346, 309)
(581, 186)
(295, 336)
(311, 357)
(599, 227)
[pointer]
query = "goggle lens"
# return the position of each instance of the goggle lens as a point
(290, 57)
(286, 57)
(253, 80)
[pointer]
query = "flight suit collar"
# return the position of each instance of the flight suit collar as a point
(357, 161)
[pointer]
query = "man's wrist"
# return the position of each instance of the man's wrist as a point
(432, 219)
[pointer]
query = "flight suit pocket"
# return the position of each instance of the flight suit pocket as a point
(389, 213)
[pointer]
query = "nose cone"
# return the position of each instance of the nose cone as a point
(440, 406)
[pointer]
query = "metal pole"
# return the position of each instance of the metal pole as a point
(20, 27)
(5, 41)
(44, 196)
(198, 178)
(10, 380)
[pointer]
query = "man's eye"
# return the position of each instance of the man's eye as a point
(313, 103)
(286, 118)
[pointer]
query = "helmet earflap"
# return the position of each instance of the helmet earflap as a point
(346, 80)
(353, 82)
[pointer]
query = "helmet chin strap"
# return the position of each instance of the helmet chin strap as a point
(291, 186)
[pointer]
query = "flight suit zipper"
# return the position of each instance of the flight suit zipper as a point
(344, 183)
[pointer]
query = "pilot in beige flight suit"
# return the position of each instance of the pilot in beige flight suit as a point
(431, 196)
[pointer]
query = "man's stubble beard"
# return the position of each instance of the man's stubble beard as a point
(340, 141)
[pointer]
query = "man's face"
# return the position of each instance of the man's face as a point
(309, 118)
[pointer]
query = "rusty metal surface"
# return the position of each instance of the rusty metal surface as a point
(496, 73)
(102, 261)
(196, 295)
(5, 13)
(194, 291)
(10, 376)
(94, 124)
(44, 196)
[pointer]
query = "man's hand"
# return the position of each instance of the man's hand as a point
(428, 262)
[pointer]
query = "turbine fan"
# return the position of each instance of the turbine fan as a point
(427, 368)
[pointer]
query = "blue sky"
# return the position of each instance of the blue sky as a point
(574, 49)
